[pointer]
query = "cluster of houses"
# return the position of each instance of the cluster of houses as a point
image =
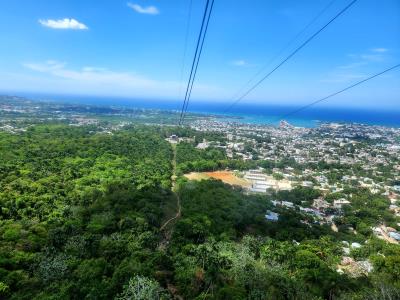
(77, 120)
(261, 182)
(174, 139)
(319, 210)
(341, 144)
(387, 233)
(315, 211)
(329, 143)
(11, 129)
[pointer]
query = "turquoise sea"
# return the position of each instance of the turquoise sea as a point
(245, 112)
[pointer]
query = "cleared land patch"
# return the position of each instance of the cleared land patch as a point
(225, 176)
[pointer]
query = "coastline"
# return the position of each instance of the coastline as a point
(248, 113)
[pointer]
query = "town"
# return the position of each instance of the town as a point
(357, 155)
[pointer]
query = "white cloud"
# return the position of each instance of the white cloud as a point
(49, 66)
(354, 69)
(379, 50)
(57, 77)
(373, 57)
(338, 77)
(353, 65)
(90, 75)
(149, 10)
(242, 63)
(239, 63)
(64, 24)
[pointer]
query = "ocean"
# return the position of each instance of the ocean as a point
(245, 112)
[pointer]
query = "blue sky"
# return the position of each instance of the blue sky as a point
(135, 49)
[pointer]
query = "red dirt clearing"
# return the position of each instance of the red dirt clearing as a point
(229, 177)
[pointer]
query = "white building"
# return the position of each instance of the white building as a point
(272, 216)
(340, 202)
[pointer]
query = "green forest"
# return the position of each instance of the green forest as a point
(82, 215)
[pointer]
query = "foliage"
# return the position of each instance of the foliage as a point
(81, 213)
(299, 195)
(141, 288)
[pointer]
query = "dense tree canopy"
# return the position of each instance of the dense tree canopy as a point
(81, 213)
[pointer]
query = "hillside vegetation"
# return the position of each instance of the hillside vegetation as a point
(81, 213)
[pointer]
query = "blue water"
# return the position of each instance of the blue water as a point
(245, 112)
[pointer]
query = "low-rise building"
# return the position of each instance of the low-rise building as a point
(272, 216)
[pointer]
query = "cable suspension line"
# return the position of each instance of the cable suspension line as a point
(189, 18)
(196, 58)
(337, 93)
(290, 55)
(282, 50)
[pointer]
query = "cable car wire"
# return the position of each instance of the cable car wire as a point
(282, 50)
(197, 64)
(337, 93)
(196, 58)
(189, 18)
(291, 55)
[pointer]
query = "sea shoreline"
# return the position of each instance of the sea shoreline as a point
(246, 113)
